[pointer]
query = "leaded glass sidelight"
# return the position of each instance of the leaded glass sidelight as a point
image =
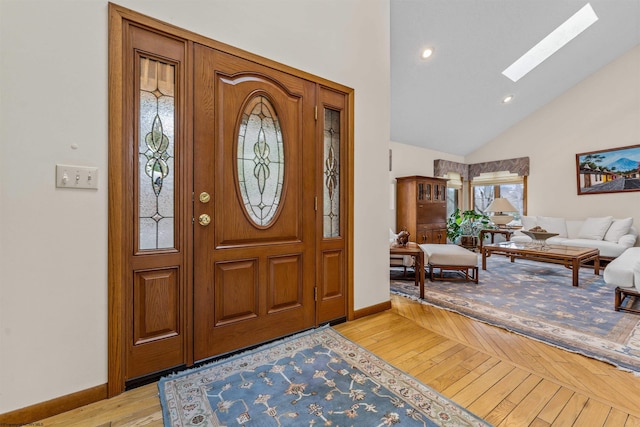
(156, 172)
(260, 160)
(331, 211)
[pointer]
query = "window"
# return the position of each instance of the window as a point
(331, 210)
(260, 161)
(454, 186)
(488, 186)
(483, 195)
(156, 157)
(453, 200)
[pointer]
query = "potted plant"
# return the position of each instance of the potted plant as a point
(463, 227)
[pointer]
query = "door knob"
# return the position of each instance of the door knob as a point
(204, 197)
(204, 219)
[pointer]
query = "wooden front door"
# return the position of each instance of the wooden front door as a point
(254, 203)
(230, 209)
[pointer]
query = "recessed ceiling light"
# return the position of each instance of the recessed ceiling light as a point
(562, 35)
(427, 53)
(507, 99)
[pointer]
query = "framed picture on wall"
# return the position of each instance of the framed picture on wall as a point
(613, 170)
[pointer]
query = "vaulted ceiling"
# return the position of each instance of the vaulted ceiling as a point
(452, 102)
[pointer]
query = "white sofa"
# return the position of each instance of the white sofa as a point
(623, 273)
(611, 236)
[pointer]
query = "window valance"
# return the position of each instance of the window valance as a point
(518, 166)
(443, 167)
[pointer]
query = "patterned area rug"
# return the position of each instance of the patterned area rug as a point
(315, 378)
(537, 300)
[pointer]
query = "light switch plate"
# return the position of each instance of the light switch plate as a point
(73, 176)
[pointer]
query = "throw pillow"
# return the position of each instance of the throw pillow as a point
(618, 228)
(528, 222)
(553, 225)
(595, 228)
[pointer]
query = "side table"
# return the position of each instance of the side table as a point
(418, 255)
(506, 232)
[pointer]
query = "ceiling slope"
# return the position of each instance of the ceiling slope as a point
(452, 102)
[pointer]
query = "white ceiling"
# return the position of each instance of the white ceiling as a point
(452, 102)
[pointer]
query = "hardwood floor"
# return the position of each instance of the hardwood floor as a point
(502, 377)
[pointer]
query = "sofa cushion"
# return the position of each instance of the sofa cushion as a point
(573, 228)
(595, 228)
(553, 225)
(607, 249)
(618, 275)
(556, 240)
(617, 229)
(628, 240)
(624, 271)
(520, 238)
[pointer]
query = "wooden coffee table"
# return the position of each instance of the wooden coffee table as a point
(570, 257)
(416, 252)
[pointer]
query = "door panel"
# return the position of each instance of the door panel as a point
(254, 262)
(285, 285)
(156, 305)
(156, 313)
(331, 292)
(236, 297)
(331, 221)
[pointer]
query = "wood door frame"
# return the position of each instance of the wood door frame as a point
(120, 226)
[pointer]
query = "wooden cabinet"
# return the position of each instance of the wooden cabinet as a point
(421, 208)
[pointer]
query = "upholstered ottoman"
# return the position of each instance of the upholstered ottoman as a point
(624, 273)
(450, 258)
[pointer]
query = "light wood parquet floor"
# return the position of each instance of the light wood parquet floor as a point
(502, 377)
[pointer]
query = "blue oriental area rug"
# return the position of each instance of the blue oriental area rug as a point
(317, 378)
(537, 300)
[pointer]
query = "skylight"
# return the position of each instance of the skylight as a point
(562, 35)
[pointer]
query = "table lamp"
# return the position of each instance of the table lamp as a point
(499, 206)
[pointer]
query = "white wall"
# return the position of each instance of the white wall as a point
(53, 86)
(601, 112)
(408, 160)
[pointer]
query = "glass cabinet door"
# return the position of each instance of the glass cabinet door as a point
(427, 192)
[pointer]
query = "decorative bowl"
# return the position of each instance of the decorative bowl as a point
(537, 235)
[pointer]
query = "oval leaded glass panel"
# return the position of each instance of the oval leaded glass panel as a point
(260, 160)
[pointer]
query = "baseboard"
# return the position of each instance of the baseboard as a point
(40, 411)
(372, 309)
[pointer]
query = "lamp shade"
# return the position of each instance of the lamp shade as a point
(498, 206)
(501, 204)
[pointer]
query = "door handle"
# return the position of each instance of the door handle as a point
(204, 219)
